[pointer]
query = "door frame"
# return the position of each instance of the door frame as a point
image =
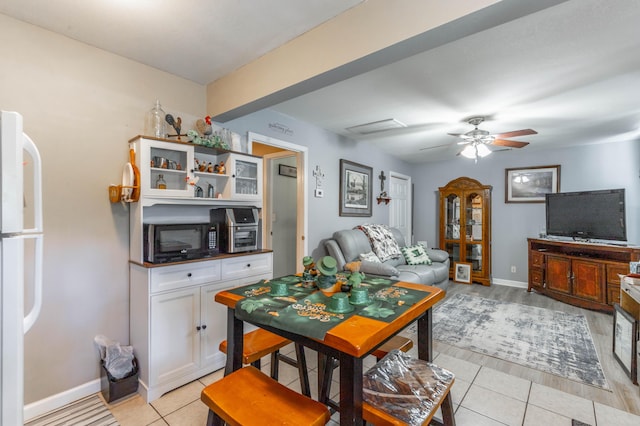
(302, 160)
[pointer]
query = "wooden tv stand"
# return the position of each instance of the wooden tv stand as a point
(581, 274)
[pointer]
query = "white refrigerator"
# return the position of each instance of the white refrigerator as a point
(20, 258)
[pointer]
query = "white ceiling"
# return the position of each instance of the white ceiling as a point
(571, 72)
(200, 40)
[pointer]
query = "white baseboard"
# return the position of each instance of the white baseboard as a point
(509, 283)
(54, 402)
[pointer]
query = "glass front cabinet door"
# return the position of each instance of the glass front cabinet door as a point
(465, 227)
(246, 174)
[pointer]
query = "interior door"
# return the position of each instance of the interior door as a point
(400, 206)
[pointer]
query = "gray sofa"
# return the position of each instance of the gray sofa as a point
(347, 246)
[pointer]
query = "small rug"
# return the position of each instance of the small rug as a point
(87, 411)
(551, 341)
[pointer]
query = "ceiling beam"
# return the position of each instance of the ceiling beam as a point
(363, 38)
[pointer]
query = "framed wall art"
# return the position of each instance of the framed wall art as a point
(462, 272)
(529, 185)
(625, 341)
(286, 170)
(355, 189)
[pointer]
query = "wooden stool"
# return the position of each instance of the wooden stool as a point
(248, 397)
(396, 342)
(259, 343)
(426, 386)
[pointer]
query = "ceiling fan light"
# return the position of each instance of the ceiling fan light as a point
(469, 151)
(483, 151)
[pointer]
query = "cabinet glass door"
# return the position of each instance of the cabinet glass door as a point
(474, 256)
(246, 174)
(165, 169)
(473, 231)
(452, 217)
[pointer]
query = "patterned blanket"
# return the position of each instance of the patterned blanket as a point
(382, 242)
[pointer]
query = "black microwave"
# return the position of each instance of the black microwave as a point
(175, 242)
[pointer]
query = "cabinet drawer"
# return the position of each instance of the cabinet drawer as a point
(537, 259)
(243, 266)
(178, 276)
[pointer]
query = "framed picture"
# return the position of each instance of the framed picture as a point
(355, 189)
(529, 185)
(462, 272)
(625, 341)
(285, 170)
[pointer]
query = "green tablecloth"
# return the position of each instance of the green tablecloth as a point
(304, 310)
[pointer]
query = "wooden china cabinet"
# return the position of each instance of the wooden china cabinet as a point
(465, 226)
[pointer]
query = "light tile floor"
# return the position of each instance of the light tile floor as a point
(481, 396)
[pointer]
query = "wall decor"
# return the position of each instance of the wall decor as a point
(462, 272)
(286, 170)
(355, 189)
(530, 184)
(625, 341)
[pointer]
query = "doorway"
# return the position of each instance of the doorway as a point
(284, 206)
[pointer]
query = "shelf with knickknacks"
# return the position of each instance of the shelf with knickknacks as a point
(383, 197)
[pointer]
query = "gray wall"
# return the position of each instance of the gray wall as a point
(325, 149)
(599, 166)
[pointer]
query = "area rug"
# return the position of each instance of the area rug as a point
(551, 341)
(89, 411)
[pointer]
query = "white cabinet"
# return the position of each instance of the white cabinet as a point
(172, 172)
(176, 325)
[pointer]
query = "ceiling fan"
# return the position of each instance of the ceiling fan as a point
(477, 136)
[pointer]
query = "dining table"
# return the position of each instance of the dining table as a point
(306, 315)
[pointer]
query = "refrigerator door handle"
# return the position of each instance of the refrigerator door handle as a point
(30, 147)
(33, 314)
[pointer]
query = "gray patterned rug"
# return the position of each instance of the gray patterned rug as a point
(551, 341)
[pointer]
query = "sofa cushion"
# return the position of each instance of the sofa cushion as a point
(415, 255)
(352, 242)
(377, 268)
(416, 274)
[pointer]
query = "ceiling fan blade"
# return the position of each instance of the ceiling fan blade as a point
(455, 134)
(434, 147)
(512, 144)
(516, 133)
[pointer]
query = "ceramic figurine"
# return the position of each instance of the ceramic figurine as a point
(356, 277)
(327, 269)
(310, 271)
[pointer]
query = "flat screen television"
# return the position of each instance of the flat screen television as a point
(587, 215)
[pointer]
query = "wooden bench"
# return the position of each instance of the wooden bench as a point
(259, 343)
(248, 397)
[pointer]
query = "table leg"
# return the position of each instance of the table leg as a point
(350, 390)
(425, 336)
(235, 341)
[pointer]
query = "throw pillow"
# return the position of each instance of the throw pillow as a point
(415, 255)
(369, 257)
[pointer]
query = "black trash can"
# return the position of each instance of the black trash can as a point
(113, 389)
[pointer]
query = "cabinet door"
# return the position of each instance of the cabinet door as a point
(166, 162)
(246, 175)
(588, 280)
(213, 324)
(175, 342)
(559, 274)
